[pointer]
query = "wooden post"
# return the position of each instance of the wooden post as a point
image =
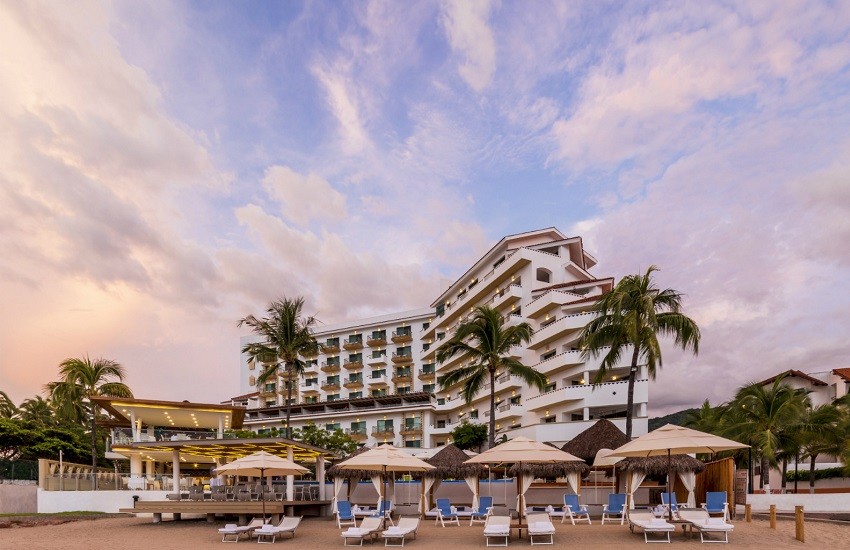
(798, 519)
(773, 516)
(748, 513)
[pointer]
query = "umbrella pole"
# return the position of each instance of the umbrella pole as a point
(520, 501)
(383, 493)
(263, 492)
(669, 486)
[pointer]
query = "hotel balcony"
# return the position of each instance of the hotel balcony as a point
(411, 430)
(377, 361)
(310, 390)
(376, 342)
(330, 349)
(330, 386)
(507, 381)
(378, 381)
(330, 367)
(351, 345)
(383, 432)
(311, 368)
(593, 395)
(357, 435)
(427, 376)
(402, 337)
(353, 384)
(403, 358)
(402, 378)
(509, 410)
(548, 302)
(556, 329)
(506, 296)
(353, 365)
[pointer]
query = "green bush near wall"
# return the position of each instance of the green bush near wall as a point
(826, 473)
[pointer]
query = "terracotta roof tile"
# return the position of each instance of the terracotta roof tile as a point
(843, 373)
(794, 374)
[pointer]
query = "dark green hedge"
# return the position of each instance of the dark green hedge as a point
(826, 473)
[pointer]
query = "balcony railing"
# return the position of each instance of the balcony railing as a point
(373, 342)
(402, 358)
(352, 344)
(427, 375)
(330, 386)
(331, 348)
(124, 436)
(401, 337)
(330, 367)
(415, 429)
(383, 432)
(358, 434)
(353, 383)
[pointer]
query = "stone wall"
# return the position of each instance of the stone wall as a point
(18, 499)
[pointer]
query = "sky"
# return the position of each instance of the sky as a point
(168, 168)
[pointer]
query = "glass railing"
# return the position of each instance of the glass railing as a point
(123, 436)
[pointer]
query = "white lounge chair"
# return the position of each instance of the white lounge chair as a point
(287, 525)
(540, 526)
(497, 527)
(648, 523)
(399, 532)
(236, 531)
(702, 521)
(369, 528)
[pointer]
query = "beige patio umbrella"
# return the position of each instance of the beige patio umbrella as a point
(605, 460)
(261, 464)
(523, 452)
(385, 458)
(671, 439)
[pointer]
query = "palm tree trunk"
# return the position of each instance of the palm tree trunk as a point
(93, 447)
(288, 399)
(784, 477)
(630, 401)
(491, 436)
(765, 470)
(812, 474)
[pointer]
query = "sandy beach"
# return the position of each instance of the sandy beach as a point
(141, 534)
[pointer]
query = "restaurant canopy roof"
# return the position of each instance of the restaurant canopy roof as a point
(170, 414)
(230, 448)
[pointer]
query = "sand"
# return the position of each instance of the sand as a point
(140, 533)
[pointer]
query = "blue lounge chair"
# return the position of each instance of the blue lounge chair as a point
(485, 506)
(664, 501)
(384, 511)
(574, 510)
(344, 515)
(445, 514)
(615, 507)
(717, 503)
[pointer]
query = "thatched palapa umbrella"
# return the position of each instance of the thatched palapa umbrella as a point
(449, 463)
(602, 435)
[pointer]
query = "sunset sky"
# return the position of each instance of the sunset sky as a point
(167, 168)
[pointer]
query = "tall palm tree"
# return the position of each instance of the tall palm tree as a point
(38, 411)
(765, 416)
(633, 315)
(485, 342)
(7, 407)
(287, 337)
(708, 419)
(80, 379)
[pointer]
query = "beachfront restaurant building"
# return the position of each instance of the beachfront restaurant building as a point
(165, 451)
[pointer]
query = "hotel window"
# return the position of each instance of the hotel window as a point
(428, 388)
(332, 381)
(548, 355)
(441, 424)
(378, 353)
(385, 426)
(358, 427)
(333, 397)
(414, 423)
(516, 400)
(333, 361)
(332, 343)
(379, 393)
(402, 351)
(414, 444)
(379, 373)
(355, 339)
(404, 331)
(311, 399)
(473, 413)
(355, 377)
(355, 395)
(311, 382)
(550, 419)
(549, 387)
(332, 427)
(379, 334)
(252, 380)
(441, 401)
(425, 326)
(576, 417)
(428, 368)
(440, 310)
(270, 387)
(355, 358)
(403, 390)
(441, 335)
(544, 275)
(271, 403)
(426, 346)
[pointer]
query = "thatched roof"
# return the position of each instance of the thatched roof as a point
(657, 465)
(448, 463)
(558, 469)
(602, 435)
(335, 471)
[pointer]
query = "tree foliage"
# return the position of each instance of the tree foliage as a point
(630, 318)
(20, 439)
(469, 436)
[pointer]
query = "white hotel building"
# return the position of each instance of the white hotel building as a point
(377, 378)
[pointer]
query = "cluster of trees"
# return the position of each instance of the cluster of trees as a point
(65, 420)
(333, 440)
(781, 425)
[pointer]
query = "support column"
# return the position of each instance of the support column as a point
(135, 465)
(134, 428)
(175, 472)
(320, 476)
(290, 480)
(586, 413)
(220, 433)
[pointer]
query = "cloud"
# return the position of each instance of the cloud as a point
(305, 199)
(344, 105)
(470, 36)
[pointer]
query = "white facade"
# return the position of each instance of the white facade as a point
(389, 393)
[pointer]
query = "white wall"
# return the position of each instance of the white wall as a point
(50, 502)
(830, 502)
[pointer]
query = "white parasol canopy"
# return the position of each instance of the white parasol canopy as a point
(262, 464)
(524, 450)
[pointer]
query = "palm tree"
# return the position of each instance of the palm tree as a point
(485, 342)
(707, 418)
(766, 414)
(287, 337)
(634, 314)
(7, 407)
(79, 381)
(38, 411)
(820, 434)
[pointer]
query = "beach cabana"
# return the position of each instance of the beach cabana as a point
(382, 459)
(529, 458)
(262, 464)
(685, 466)
(449, 463)
(671, 439)
(341, 475)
